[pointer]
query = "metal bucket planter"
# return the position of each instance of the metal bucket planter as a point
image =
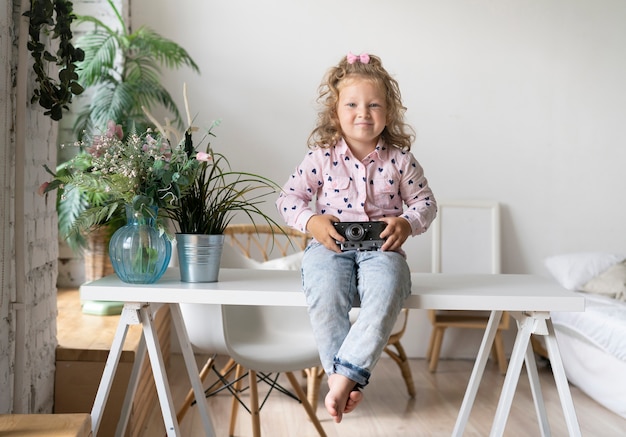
(199, 257)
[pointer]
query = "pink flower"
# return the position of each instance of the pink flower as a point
(114, 130)
(96, 149)
(203, 156)
(42, 189)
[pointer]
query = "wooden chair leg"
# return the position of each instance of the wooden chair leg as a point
(434, 358)
(226, 370)
(190, 396)
(431, 342)
(538, 347)
(499, 350)
(234, 402)
(254, 404)
(305, 403)
(314, 376)
(399, 356)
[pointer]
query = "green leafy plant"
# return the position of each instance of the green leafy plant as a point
(123, 68)
(72, 202)
(52, 94)
(144, 171)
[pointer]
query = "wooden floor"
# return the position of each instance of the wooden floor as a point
(387, 411)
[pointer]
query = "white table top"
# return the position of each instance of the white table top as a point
(283, 288)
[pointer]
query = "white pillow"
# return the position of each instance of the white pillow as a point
(574, 270)
(290, 262)
(611, 282)
(233, 259)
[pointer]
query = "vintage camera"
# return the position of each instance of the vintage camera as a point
(360, 235)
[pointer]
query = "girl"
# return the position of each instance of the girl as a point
(359, 168)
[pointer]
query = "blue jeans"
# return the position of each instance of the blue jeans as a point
(332, 282)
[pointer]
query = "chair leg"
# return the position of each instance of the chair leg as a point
(203, 374)
(314, 376)
(190, 396)
(499, 349)
(403, 362)
(254, 404)
(305, 403)
(235, 402)
(431, 342)
(538, 347)
(434, 357)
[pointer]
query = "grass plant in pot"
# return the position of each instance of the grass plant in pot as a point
(202, 213)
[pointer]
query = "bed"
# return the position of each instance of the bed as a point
(593, 342)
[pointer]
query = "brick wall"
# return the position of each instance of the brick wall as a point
(28, 223)
(29, 262)
(28, 242)
(7, 284)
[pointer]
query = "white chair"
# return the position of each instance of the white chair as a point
(271, 340)
(258, 339)
(466, 230)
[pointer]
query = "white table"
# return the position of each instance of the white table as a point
(528, 298)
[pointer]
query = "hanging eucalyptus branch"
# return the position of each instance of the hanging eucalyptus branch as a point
(54, 94)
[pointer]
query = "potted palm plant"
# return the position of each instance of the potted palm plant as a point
(120, 70)
(123, 70)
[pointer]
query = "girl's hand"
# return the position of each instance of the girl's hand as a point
(396, 233)
(322, 229)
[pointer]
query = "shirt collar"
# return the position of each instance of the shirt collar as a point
(380, 151)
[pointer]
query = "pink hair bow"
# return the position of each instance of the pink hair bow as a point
(364, 58)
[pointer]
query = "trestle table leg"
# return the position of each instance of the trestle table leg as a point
(159, 373)
(130, 316)
(140, 355)
(562, 385)
(535, 388)
(477, 373)
(192, 368)
(525, 328)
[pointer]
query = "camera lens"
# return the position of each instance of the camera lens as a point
(355, 232)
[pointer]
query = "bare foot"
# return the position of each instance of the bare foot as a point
(353, 400)
(342, 397)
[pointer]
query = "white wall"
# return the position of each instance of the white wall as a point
(516, 101)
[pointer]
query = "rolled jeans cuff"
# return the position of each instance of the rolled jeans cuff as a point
(359, 375)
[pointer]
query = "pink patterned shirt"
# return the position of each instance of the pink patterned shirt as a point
(352, 190)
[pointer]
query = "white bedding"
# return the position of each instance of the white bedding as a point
(593, 342)
(603, 323)
(593, 349)
(599, 374)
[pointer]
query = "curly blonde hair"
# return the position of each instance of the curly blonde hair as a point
(328, 130)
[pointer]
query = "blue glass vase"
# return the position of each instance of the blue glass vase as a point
(139, 253)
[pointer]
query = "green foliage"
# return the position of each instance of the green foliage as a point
(144, 171)
(52, 94)
(217, 193)
(124, 69)
(73, 201)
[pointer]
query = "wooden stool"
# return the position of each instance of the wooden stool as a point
(42, 425)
